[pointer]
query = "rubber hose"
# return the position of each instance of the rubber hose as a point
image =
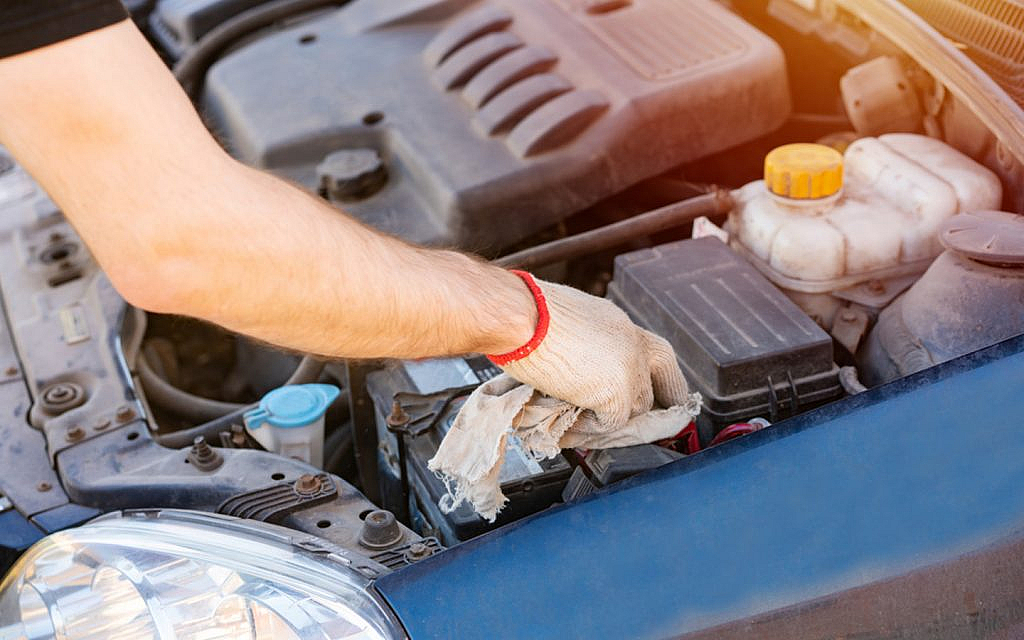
(182, 403)
(208, 430)
(309, 370)
(338, 447)
(191, 68)
(715, 203)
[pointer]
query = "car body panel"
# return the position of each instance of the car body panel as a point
(910, 475)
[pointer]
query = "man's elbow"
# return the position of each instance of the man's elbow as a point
(148, 286)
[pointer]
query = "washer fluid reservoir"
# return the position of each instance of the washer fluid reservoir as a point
(820, 221)
(290, 420)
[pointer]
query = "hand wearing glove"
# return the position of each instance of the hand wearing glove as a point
(588, 378)
(588, 352)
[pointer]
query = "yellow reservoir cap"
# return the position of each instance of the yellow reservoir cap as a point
(803, 171)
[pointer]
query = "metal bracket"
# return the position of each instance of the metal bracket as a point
(408, 553)
(273, 503)
(424, 410)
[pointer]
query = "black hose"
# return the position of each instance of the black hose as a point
(710, 204)
(199, 409)
(191, 68)
(339, 449)
(208, 430)
(182, 403)
(309, 370)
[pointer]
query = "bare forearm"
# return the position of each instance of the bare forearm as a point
(280, 265)
(181, 227)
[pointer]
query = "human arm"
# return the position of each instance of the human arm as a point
(181, 227)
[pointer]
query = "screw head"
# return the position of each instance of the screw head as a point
(101, 424)
(847, 316)
(11, 371)
(124, 413)
(43, 487)
(876, 286)
(417, 551)
(74, 433)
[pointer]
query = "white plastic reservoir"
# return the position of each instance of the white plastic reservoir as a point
(821, 222)
(290, 421)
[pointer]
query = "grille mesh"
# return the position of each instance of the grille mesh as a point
(992, 30)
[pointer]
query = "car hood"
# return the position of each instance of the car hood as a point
(858, 493)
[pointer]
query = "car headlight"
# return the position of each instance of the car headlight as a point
(188, 575)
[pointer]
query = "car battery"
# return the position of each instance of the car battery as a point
(430, 393)
(746, 347)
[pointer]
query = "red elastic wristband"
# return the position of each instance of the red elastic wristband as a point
(543, 318)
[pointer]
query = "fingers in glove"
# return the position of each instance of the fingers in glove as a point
(644, 400)
(670, 388)
(614, 412)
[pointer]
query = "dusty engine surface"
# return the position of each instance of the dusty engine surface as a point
(478, 123)
(178, 24)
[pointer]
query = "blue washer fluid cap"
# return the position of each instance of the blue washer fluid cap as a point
(294, 405)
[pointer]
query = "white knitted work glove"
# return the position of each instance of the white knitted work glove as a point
(588, 352)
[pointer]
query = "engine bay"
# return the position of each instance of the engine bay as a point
(870, 230)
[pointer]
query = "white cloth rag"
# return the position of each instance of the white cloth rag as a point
(470, 456)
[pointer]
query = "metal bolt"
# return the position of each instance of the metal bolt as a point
(876, 287)
(101, 424)
(74, 433)
(848, 316)
(11, 371)
(203, 456)
(398, 417)
(237, 435)
(43, 487)
(124, 413)
(418, 551)
(307, 484)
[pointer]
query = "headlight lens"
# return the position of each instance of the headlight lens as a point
(186, 575)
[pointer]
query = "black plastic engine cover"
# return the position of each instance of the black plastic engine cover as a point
(179, 24)
(497, 119)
